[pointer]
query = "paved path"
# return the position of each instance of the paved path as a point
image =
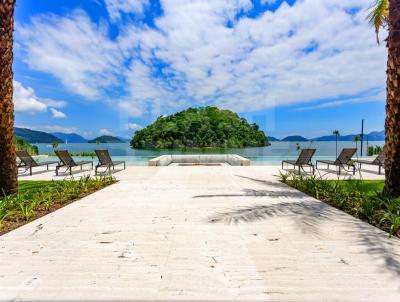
(199, 233)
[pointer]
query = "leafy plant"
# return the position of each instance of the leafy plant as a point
(362, 199)
(40, 196)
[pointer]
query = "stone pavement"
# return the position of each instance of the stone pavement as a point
(198, 233)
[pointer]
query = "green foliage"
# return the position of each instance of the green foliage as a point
(378, 17)
(360, 198)
(374, 150)
(22, 144)
(55, 144)
(36, 197)
(104, 139)
(206, 127)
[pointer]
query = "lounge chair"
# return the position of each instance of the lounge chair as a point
(67, 161)
(378, 161)
(304, 159)
(344, 159)
(28, 162)
(106, 161)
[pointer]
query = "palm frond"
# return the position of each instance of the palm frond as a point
(379, 15)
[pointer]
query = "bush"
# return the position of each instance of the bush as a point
(22, 144)
(359, 198)
(36, 198)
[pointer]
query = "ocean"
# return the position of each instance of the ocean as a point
(271, 155)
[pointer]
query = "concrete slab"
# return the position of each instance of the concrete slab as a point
(198, 233)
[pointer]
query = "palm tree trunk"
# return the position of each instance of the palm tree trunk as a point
(8, 167)
(392, 124)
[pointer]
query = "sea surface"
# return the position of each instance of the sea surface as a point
(271, 155)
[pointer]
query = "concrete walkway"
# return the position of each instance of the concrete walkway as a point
(198, 233)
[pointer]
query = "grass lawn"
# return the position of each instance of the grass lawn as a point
(363, 199)
(368, 187)
(38, 198)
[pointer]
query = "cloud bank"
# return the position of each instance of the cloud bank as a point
(205, 52)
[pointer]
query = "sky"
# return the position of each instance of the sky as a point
(111, 67)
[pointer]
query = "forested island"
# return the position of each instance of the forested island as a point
(195, 128)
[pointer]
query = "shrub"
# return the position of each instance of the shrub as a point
(357, 197)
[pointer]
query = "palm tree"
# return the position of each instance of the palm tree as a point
(337, 134)
(356, 139)
(386, 14)
(8, 167)
(55, 144)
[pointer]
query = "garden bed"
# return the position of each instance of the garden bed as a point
(38, 198)
(363, 199)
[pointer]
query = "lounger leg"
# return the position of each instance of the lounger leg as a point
(354, 170)
(30, 171)
(379, 170)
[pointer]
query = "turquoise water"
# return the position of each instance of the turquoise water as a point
(271, 155)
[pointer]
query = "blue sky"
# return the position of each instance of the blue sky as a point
(112, 67)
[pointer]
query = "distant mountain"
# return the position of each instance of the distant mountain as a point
(273, 139)
(123, 139)
(373, 136)
(106, 139)
(35, 137)
(377, 136)
(295, 138)
(70, 137)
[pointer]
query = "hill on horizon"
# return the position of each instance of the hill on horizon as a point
(372, 136)
(195, 128)
(70, 137)
(35, 137)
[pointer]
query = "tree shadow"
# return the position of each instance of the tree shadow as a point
(309, 215)
(257, 193)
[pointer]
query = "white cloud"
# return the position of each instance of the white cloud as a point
(25, 99)
(73, 49)
(289, 56)
(105, 132)
(116, 7)
(57, 113)
(257, 63)
(376, 98)
(133, 126)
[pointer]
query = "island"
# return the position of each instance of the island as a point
(294, 138)
(106, 139)
(200, 128)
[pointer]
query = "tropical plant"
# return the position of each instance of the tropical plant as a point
(362, 199)
(38, 197)
(54, 144)
(21, 144)
(356, 139)
(8, 167)
(386, 14)
(337, 134)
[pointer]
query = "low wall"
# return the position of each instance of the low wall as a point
(231, 159)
